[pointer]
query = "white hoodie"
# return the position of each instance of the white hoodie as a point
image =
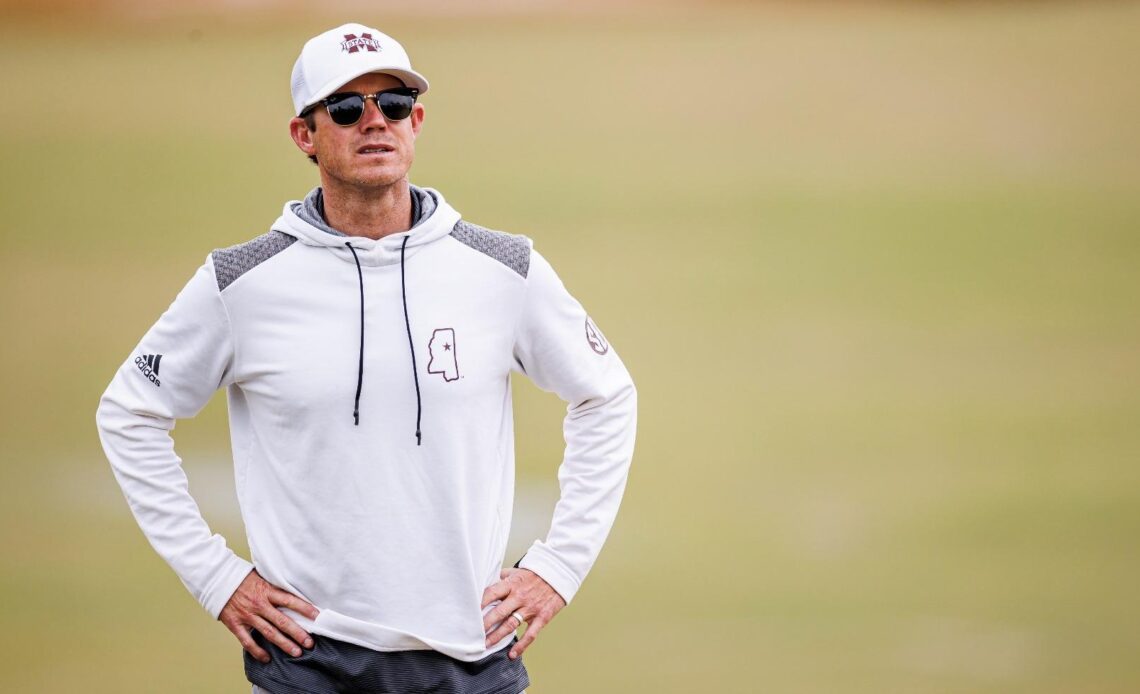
(392, 538)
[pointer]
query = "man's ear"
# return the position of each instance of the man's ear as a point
(302, 136)
(417, 119)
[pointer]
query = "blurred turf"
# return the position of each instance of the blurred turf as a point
(873, 269)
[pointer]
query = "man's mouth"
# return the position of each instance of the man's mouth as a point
(374, 149)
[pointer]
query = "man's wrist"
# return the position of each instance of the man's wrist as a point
(551, 570)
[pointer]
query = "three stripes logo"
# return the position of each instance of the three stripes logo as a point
(148, 365)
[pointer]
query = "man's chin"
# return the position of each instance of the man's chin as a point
(378, 180)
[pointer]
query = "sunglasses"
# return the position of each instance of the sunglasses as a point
(346, 108)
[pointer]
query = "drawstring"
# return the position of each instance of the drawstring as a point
(411, 345)
(408, 325)
(360, 368)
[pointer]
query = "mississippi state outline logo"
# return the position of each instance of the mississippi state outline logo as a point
(353, 43)
(441, 353)
(595, 338)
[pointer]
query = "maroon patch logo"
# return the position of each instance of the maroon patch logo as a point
(353, 43)
(441, 353)
(595, 338)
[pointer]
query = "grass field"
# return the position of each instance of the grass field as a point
(874, 268)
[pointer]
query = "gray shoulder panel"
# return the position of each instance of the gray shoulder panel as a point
(233, 262)
(512, 250)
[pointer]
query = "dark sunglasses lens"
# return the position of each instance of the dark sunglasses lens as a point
(396, 106)
(347, 110)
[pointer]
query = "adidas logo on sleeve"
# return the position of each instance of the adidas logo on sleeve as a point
(148, 365)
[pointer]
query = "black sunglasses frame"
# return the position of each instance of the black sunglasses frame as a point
(332, 100)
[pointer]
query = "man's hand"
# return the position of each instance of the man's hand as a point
(253, 606)
(525, 592)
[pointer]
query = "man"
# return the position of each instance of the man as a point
(365, 343)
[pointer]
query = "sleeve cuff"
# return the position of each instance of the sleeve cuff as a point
(551, 569)
(222, 588)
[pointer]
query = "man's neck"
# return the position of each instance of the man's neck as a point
(371, 213)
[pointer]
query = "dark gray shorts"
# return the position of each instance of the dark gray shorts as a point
(333, 666)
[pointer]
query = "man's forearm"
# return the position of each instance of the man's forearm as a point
(150, 474)
(592, 477)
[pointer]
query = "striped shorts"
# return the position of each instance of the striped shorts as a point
(336, 666)
(259, 690)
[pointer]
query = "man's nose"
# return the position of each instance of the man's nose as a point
(372, 117)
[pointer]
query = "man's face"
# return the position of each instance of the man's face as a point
(340, 150)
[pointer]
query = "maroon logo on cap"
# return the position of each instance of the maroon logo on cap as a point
(441, 354)
(595, 338)
(353, 43)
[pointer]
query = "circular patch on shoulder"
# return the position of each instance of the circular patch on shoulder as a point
(595, 338)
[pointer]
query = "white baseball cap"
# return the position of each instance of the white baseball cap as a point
(341, 55)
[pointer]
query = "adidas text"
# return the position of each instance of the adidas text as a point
(148, 365)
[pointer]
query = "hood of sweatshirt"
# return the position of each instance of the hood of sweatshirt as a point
(432, 220)
(436, 221)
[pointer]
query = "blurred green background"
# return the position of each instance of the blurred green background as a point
(872, 266)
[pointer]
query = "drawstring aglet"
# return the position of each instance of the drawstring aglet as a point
(417, 437)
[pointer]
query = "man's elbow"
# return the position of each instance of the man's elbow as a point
(105, 413)
(620, 397)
